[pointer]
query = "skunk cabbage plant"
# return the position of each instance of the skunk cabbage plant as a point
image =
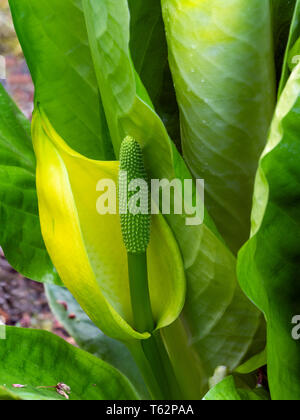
(166, 288)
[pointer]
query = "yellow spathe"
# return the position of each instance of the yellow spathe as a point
(87, 248)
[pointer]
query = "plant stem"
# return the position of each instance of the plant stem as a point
(146, 369)
(155, 366)
(153, 348)
(139, 291)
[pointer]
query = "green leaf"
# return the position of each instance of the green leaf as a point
(221, 58)
(149, 52)
(20, 232)
(148, 44)
(283, 11)
(222, 322)
(228, 391)
(294, 34)
(256, 362)
(54, 40)
(37, 358)
(91, 339)
(269, 263)
(209, 266)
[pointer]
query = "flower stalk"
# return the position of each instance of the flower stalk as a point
(136, 232)
(135, 227)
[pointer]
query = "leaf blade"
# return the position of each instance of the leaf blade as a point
(268, 263)
(20, 232)
(228, 391)
(225, 85)
(46, 360)
(59, 59)
(91, 339)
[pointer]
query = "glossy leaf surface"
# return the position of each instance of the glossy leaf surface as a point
(54, 41)
(228, 391)
(39, 359)
(269, 263)
(221, 58)
(90, 338)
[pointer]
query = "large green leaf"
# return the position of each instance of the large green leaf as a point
(90, 338)
(54, 40)
(221, 58)
(38, 358)
(20, 233)
(228, 391)
(222, 323)
(269, 263)
(216, 309)
(221, 345)
(209, 266)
